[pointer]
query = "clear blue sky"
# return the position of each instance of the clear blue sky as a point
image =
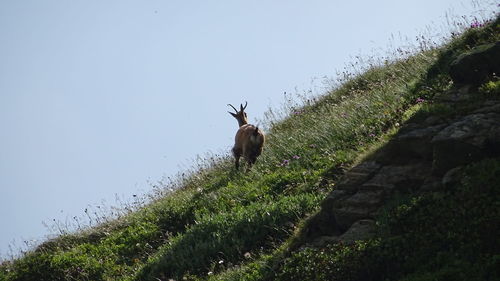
(99, 97)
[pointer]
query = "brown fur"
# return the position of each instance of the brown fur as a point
(249, 139)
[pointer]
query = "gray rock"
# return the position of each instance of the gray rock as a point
(399, 177)
(472, 128)
(489, 108)
(360, 230)
(468, 139)
(358, 175)
(490, 102)
(361, 205)
(431, 185)
(371, 198)
(421, 133)
(336, 195)
(433, 120)
(452, 177)
(322, 224)
(346, 215)
(450, 154)
(413, 144)
(474, 66)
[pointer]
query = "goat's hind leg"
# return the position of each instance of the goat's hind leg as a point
(237, 162)
(250, 162)
(237, 155)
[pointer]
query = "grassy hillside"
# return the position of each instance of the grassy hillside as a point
(220, 224)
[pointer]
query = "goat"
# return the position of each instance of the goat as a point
(249, 139)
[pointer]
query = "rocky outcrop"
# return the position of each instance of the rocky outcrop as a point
(466, 140)
(473, 66)
(424, 156)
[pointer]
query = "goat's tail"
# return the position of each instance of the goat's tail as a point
(256, 132)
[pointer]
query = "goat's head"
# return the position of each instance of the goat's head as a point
(240, 115)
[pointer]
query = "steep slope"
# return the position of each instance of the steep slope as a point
(427, 201)
(425, 205)
(347, 189)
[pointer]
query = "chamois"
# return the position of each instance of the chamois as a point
(249, 139)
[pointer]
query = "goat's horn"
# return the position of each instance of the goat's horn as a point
(243, 107)
(233, 107)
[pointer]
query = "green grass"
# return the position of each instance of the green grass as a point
(221, 224)
(491, 88)
(447, 235)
